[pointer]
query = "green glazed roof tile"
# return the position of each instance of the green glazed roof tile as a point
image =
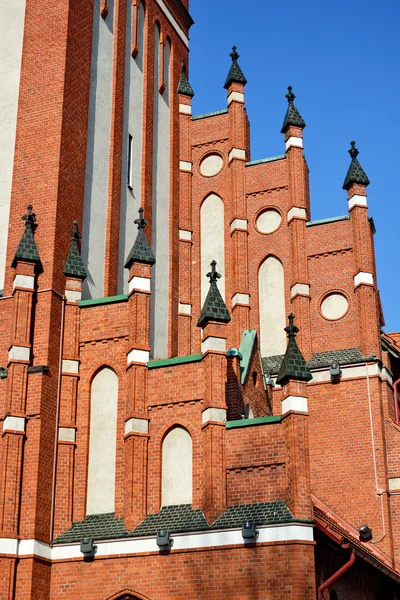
(293, 365)
(27, 249)
(74, 266)
(184, 86)
(292, 117)
(141, 251)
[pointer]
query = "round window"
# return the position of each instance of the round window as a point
(268, 221)
(334, 306)
(211, 165)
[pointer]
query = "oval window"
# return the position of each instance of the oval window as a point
(268, 221)
(211, 165)
(334, 306)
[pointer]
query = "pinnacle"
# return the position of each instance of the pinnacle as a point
(293, 365)
(356, 173)
(235, 74)
(292, 117)
(214, 307)
(27, 249)
(141, 250)
(184, 86)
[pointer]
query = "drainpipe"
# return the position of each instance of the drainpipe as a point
(338, 573)
(396, 402)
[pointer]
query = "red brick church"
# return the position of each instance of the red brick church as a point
(197, 400)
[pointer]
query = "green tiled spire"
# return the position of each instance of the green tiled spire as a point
(292, 117)
(74, 265)
(235, 74)
(214, 308)
(27, 249)
(293, 365)
(184, 86)
(141, 250)
(356, 173)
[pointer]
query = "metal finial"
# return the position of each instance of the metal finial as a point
(75, 231)
(291, 329)
(184, 70)
(234, 55)
(140, 222)
(29, 218)
(213, 275)
(290, 96)
(353, 150)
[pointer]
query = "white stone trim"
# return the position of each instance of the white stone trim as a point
(185, 235)
(213, 414)
(240, 299)
(213, 343)
(237, 96)
(136, 425)
(363, 277)
(19, 353)
(24, 281)
(70, 366)
(11, 423)
(141, 284)
(295, 141)
(185, 309)
(173, 22)
(185, 109)
(237, 153)
(357, 199)
(73, 296)
(300, 288)
(185, 166)
(239, 224)
(386, 375)
(297, 403)
(348, 372)
(8, 546)
(394, 483)
(295, 211)
(66, 434)
(139, 356)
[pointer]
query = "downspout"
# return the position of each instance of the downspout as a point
(53, 484)
(338, 573)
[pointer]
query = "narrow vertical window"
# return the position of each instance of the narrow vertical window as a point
(130, 161)
(135, 22)
(161, 65)
(177, 467)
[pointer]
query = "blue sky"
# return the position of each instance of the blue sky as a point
(342, 59)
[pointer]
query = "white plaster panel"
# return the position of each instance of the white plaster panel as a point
(237, 153)
(73, 296)
(24, 281)
(140, 283)
(70, 366)
(297, 403)
(211, 165)
(272, 307)
(359, 200)
(299, 288)
(11, 36)
(237, 96)
(140, 356)
(212, 242)
(66, 434)
(268, 221)
(239, 224)
(19, 353)
(136, 425)
(185, 109)
(348, 372)
(240, 299)
(295, 211)
(185, 235)
(102, 443)
(213, 343)
(334, 306)
(363, 277)
(177, 468)
(394, 483)
(14, 423)
(186, 166)
(294, 141)
(214, 414)
(185, 309)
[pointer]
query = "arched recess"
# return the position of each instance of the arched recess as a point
(127, 594)
(102, 442)
(176, 467)
(212, 242)
(271, 294)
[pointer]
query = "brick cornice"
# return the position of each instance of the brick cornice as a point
(180, 12)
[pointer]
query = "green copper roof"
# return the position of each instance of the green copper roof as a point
(74, 266)
(184, 86)
(214, 307)
(235, 74)
(356, 173)
(292, 117)
(27, 249)
(246, 350)
(293, 365)
(141, 250)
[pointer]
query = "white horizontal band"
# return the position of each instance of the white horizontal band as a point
(14, 423)
(213, 343)
(185, 309)
(73, 296)
(348, 372)
(139, 356)
(213, 414)
(240, 299)
(239, 224)
(139, 283)
(237, 96)
(136, 425)
(66, 434)
(297, 142)
(297, 403)
(19, 353)
(24, 281)
(185, 166)
(70, 366)
(237, 153)
(295, 211)
(185, 235)
(185, 109)
(173, 22)
(357, 199)
(363, 277)
(300, 288)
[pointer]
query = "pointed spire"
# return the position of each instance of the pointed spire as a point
(27, 249)
(141, 250)
(356, 173)
(214, 307)
(235, 74)
(292, 117)
(184, 86)
(74, 266)
(293, 365)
